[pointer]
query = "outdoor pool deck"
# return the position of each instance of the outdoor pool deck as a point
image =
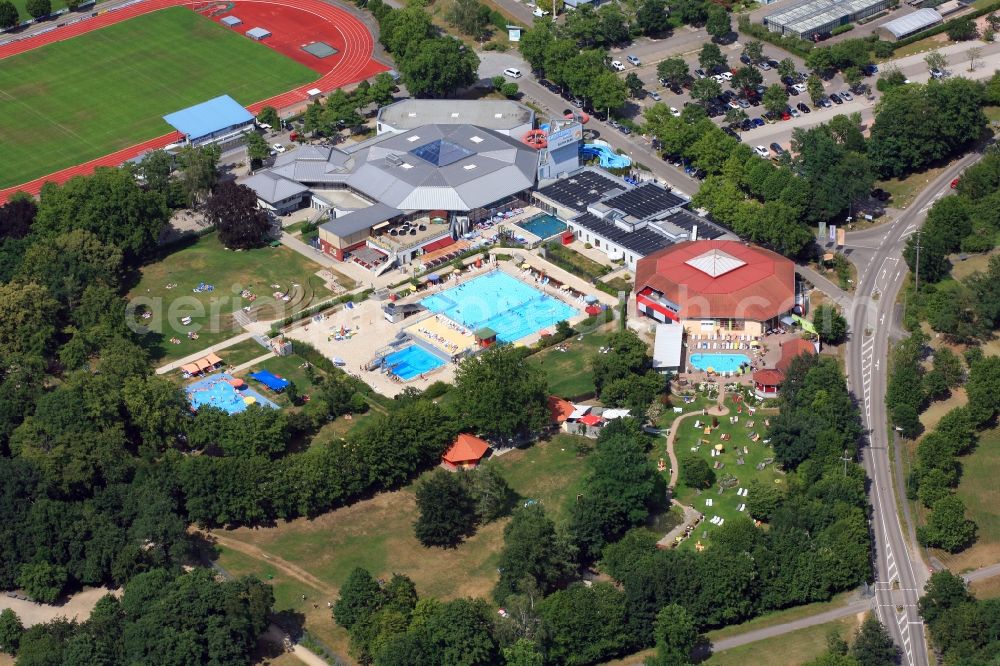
(443, 334)
(375, 332)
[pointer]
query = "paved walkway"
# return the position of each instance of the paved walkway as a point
(173, 365)
(250, 364)
(853, 608)
(691, 515)
(838, 295)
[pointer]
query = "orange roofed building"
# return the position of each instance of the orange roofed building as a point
(465, 453)
(766, 382)
(560, 409)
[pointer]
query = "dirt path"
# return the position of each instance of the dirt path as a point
(296, 572)
(720, 409)
(78, 607)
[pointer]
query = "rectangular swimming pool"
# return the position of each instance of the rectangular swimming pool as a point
(543, 225)
(511, 308)
(411, 361)
(217, 391)
(720, 362)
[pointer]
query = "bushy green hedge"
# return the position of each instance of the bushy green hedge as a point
(794, 45)
(841, 29)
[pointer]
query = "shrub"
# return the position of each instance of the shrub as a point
(841, 29)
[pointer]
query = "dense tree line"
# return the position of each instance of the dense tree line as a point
(964, 630)
(161, 618)
(431, 65)
(872, 646)
(347, 109)
(623, 375)
(451, 505)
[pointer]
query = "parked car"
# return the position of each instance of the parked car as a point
(746, 125)
(624, 129)
(955, 182)
(700, 73)
(825, 102)
(617, 66)
(846, 96)
(777, 149)
(675, 113)
(792, 92)
(653, 95)
(540, 12)
(765, 66)
(788, 81)
(758, 122)
(803, 107)
(835, 99)
(278, 148)
(731, 132)
(745, 59)
(635, 61)
(793, 112)
(869, 70)
(743, 103)
(785, 115)
(801, 87)
(512, 72)
(761, 151)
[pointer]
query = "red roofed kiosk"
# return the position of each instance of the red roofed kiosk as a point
(715, 286)
(766, 382)
(465, 453)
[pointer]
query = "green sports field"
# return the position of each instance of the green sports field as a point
(73, 101)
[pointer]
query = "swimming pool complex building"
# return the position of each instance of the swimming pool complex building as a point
(716, 286)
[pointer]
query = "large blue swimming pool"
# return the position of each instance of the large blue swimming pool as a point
(216, 391)
(497, 301)
(543, 225)
(411, 361)
(719, 362)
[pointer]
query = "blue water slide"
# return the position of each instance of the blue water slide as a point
(609, 159)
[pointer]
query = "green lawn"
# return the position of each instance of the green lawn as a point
(981, 494)
(23, 12)
(229, 272)
(76, 100)
(569, 373)
(691, 440)
(289, 367)
(377, 533)
(791, 649)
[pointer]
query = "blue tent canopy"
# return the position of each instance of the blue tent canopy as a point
(270, 380)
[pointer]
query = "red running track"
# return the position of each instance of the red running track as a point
(353, 63)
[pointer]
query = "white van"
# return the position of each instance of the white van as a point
(512, 72)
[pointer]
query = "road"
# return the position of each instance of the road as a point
(900, 570)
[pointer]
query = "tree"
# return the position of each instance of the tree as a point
(696, 472)
(71, 262)
(735, 117)
(606, 91)
(673, 71)
(38, 8)
(447, 510)
(944, 592)
(360, 596)
(522, 653)
(584, 625)
(199, 170)
(381, 91)
(634, 85)
(471, 17)
(438, 67)
(960, 30)
(535, 43)
(653, 17)
(27, 319)
(754, 51)
(404, 30)
(705, 90)
(746, 79)
(43, 582)
(234, 212)
(852, 77)
(775, 99)
(711, 57)
(500, 394)
(718, 24)
(936, 60)
(8, 14)
(830, 324)
(257, 148)
(974, 55)
(764, 500)
(268, 115)
(947, 527)
(873, 645)
(534, 557)
(11, 630)
(491, 492)
(676, 634)
(509, 90)
(814, 85)
(111, 205)
(786, 67)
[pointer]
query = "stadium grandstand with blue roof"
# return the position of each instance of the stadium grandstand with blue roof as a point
(221, 120)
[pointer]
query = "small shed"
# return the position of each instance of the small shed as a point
(258, 33)
(486, 336)
(231, 21)
(560, 409)
(465, 452)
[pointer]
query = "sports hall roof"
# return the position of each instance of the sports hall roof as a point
(208, 117)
